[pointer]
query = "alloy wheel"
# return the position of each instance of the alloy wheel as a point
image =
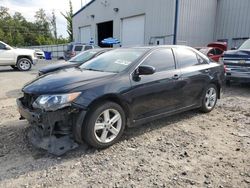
(210, 98)
(24, 65)
(108, 125)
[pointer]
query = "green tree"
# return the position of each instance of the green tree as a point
(42, 23)
(17, 31)
(54, 27)
(69, 16)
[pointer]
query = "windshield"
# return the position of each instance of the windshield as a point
(83, 57)
(245, 45)
(114, 61)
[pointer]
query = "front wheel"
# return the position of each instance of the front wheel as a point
(24, 64)
(209, 98)
(104, 125)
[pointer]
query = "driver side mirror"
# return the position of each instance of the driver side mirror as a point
(144, 70)
(233, 48)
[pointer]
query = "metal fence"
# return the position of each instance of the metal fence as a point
(57, 51)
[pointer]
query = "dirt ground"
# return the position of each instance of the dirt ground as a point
(186, 150)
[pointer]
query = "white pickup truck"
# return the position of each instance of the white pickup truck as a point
(17, 58)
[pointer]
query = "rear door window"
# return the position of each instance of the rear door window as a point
(161, 60)
(186, 57)
(78, 48)
(88, 48)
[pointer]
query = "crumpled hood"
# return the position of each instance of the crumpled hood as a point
(237, 54)
(65, 80)
(56, 66)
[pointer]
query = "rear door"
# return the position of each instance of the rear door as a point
(195, 75)
(155, 94)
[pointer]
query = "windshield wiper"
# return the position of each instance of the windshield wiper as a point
(94, 70)
(75, 61)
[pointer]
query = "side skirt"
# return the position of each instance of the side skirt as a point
(162, 115)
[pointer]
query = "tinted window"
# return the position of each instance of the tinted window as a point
(2, 46)
(78, 48)
(161, 60)
(88, 47)
(114, 61)
(186, 57)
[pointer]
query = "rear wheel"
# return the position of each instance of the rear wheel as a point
(104, 125)
(209, 98)
(24, 64)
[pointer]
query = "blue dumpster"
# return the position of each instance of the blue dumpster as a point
(47, 55)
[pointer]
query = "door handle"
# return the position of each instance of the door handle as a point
(176, 77)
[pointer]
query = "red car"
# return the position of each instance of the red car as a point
(214, 50)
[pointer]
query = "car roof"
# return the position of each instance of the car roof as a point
(157, 47)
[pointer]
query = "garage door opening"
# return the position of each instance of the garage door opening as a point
(105, 30)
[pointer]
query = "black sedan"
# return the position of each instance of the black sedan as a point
(120, 88)
(73, 62)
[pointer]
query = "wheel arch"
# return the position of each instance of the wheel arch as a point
(23, 56)
(218, 86)
(116, 99)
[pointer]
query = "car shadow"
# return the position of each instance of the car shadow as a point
(8, 70)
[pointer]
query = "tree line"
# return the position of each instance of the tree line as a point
(15, 30)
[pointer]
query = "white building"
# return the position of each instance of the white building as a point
(151, 22)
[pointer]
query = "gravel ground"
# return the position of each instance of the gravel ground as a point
(186, 150)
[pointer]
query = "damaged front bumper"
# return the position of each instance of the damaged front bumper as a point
(53, 131)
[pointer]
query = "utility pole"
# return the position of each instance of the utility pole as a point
(176, 21)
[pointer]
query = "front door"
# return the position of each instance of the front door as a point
(155, 94)
(6, 55)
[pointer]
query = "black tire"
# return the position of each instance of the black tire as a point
(89, 134)
(24, 64)
(14, 67)
(205, 107)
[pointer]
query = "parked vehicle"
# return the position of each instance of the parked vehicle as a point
(75, 48)
(214, 50)
(73, 62)
(123, 87)
(17, 58)
(40, 54)
(237, 64)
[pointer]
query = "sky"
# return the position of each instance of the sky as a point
(28, 8)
